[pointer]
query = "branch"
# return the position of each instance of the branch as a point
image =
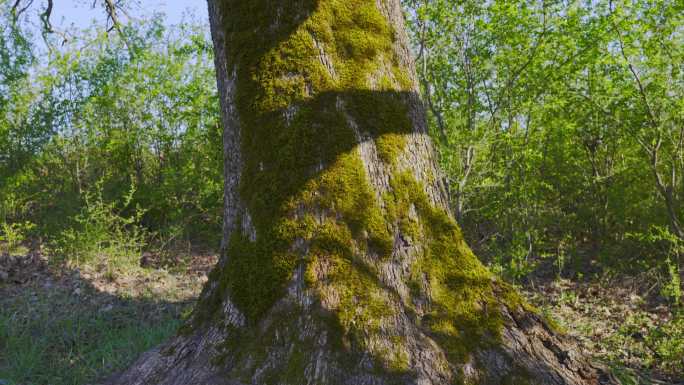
(111, 14)
(45, 17)
(435, 111)
(15, 13)
(111, 8)
(513, 79)
(422, 56)
(47, 25)
(635, 75)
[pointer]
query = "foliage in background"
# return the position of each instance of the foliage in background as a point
(665, 243)
(560, 126)
(662, 345)
(100, 114)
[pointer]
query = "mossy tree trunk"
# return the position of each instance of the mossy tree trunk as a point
(341, 261)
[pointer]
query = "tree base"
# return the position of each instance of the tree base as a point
(298, 343)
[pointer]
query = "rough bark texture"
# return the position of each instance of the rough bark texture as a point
(341, 261)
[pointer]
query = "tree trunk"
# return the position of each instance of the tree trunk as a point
(341, 261)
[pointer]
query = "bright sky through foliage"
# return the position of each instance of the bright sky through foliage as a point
(80, 13)
(70, 15)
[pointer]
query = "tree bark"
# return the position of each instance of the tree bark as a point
(341, 262)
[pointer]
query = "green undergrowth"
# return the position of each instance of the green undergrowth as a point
(659, 345)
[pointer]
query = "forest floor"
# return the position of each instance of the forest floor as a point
(620, 322)
(68, 326)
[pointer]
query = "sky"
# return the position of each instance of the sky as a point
(70, 15)
(79, 13)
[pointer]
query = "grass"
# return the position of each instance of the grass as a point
(56, 337)
(73, 327)
(77, 351)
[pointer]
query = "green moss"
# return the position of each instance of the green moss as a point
(360, 306)
(362, 302)
(518, 377)
(297, 117)
(465, 313)
(390, 146)
(396, 359)
(386, 115)
(296, 364)
(247, 347)
(313, 79)
(168, 351)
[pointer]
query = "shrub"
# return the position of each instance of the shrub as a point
(101, 235)
(12, 235)
(660, 239)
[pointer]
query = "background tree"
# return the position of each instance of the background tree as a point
(111, 113)
(556, 126)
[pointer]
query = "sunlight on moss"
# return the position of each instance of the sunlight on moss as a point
(331, 80)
